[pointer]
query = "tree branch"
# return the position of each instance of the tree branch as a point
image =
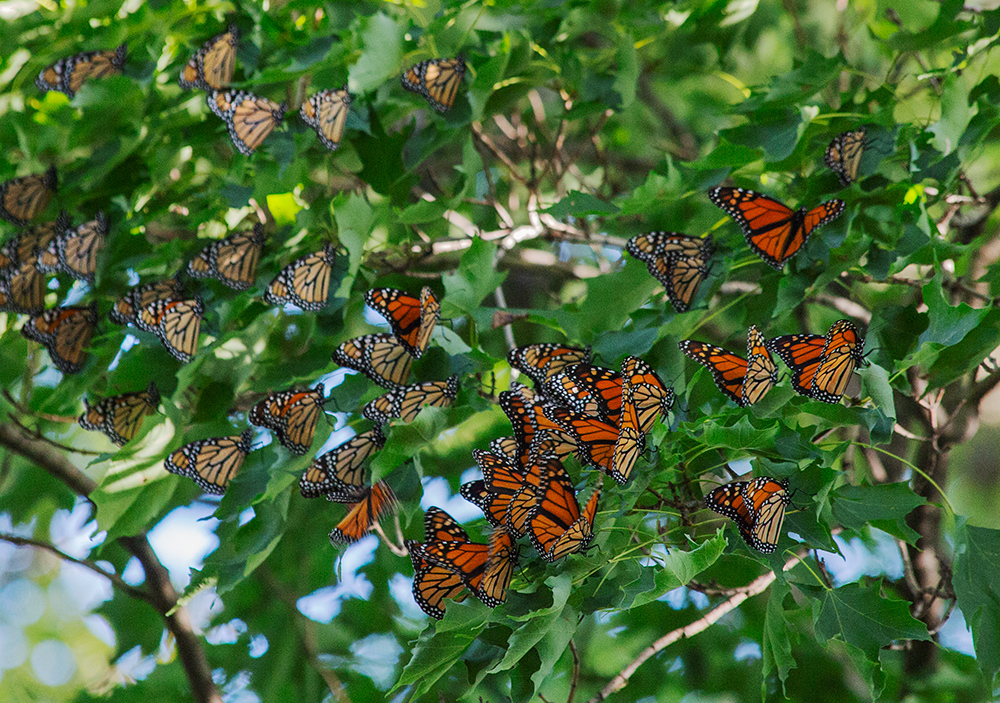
(46, 457)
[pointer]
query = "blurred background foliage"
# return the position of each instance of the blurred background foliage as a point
(579, 125)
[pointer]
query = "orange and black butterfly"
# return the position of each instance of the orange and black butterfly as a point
(524, 415)
(305, 282)
(773, 230)
(176, 322)
(23, 198)
(644, 397)
(120, 417)
(248, 117)
(542, 361)
(378, 356)
(404, 403)
(66, 332)
(757, 507)
(412, 319)
(843, 155)
(326, 112)
(68, 74)
(341, 471)
(822, 365)
(677, 261)
(211, 68)
(138, 298)
(75, 250)
(745, 381)
(22, 289)
(595, 439)
(378, 501)
(433, 584)
(232, 260)
(485, 569)
(511, 492)
(591, 390)
(437, 80)
(28, 246)
(211, 463)
(557, 527)
(292, 415)
(505, 448)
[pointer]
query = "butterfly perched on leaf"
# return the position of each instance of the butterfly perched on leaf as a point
(412, 319)
(644, 398)
(677, 261)
(774, 231)
(75, 250)
(248, 117)
(593, 438)
(757, 507)
(822, 364)
(66, 333)
(557, 527)
(507, 492)
(588, 389)
(437, 80)
(326, 112)
(524, 413)
(177, 323)
(305, 282)
(404, 403)
(21, 199)
(340, 472)
(378, 356)
(139, 297)
(374, 504)
(292, 416)
(67, 75)
(120, 417)
(843, 155)
(744, 381)
(22, 289)
(232, 260)
(211, 68)
(211, 463)
(542, 361)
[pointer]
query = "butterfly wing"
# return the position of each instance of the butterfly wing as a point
(341, 470)
(211, 68)
(211, 463)
(78, 249)
(23, 198)
(377, 356)
(22, 289)
(411, 319)
(304, 282)
(843, 155)
(362, 516)
(501, 560)
(248, 117)
(587, 389)
(542, 361)
(729, 500)
(126, 412)
(728, 370)
(802, 354)
(66, 333)
(761, 374)
(326, 112)
(841, 354)
(437, 80)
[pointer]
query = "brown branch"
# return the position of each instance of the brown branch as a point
(114, 578)
(576, 671)
(39, 436)
(160, 593)
(25, 410)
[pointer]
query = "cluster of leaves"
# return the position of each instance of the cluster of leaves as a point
(597, 119)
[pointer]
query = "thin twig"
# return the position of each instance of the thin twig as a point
(576, 671)
(25, 410)
(39, 436)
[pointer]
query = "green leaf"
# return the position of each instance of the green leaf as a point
(355, 219)
(538, 623)
(577, 203)
(955, 114)
(726, 155)
(383, 54)
(776, 645)
(865, 617)
(884, 507)
(476, 278)
(627, 71)
(976, 579)
(677, 569)
(741, 435)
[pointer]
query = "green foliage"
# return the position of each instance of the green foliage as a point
(577, 126)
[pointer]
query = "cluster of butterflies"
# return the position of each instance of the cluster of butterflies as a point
(251, 118)
(773, 230)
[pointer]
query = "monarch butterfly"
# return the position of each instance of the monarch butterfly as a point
(121, 416)
(377, 356)
(22, 289)
(140, 297)
(822, 365)
(378, 502)
(232, 260)
(177, 324)
(556, 526)
(68, 74)
(745, 381)
(773, 230)
(305, 282)
(757, 507)
(542, 361)
(432, 584)
(595, 439)
(485, 569)
(76, 250)
(211, 68)
(292, 415)
(512, 493)
(650, 396)
(523, 419)
(437, 80)
(591, 390)
(340, 471)
(66, 332)
(843, 155)
(676, 260)
(412, 320)
(23, 198)
(326, 112)
(211, 463)
(27, 247)
(505, 447)
(249, 118)
(405, 402)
